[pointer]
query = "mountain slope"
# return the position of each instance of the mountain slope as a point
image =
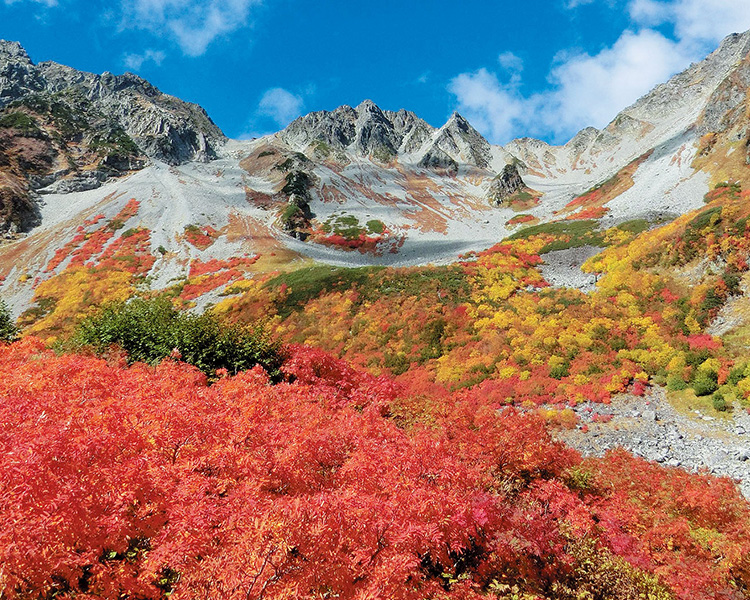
(68, 131)
(357, 185)
(163, 126)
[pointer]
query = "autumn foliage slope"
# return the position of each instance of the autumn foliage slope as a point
(145, 482)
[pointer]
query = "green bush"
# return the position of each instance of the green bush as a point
(375, 226)
(559, 371)
(17, 120)
(736, 374)
(675, 383)
(8, 329)
(719, 401)
(705, 384)
(151, 330)
(659, 378)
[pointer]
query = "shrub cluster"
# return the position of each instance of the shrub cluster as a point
(8, 329)
(151, 330)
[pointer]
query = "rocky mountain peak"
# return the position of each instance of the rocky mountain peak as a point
(366, 131)
(367, 106)
(457, 142)
(13, 52)
(18, 75)
(369, 131)
(162, 126)
(457, 120)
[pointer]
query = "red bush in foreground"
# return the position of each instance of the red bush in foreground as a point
(146, 482)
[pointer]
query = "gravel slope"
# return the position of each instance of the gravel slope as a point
(650, 427)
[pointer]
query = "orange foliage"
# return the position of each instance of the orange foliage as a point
(145, 482)
(200, 237)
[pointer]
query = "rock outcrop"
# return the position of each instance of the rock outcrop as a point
(382, 135)
(162, 126)
(505, 184)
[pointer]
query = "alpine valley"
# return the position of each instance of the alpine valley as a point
(367, 357)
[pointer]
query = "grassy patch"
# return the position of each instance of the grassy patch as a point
(372, 284)
(306, 284)
(18, 120)
(635, 226)
(567, 234)
(347, 226)
(685, 402)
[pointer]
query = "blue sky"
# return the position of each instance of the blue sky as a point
(543, 68)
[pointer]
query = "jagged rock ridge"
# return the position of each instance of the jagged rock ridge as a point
(162, 126)
(368, 131)
(63, 131)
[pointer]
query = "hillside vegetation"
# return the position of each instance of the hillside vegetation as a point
(146, 482)
(379, 452)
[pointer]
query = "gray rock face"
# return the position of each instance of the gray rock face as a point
(412, 131)
(727, 104)
(464, 144)
(375, 134)
(80, 182)
(162, 126)
(336, 128)
(505, 184)
(435, 158)
(18, 76)
(368, 131)
(583, 139)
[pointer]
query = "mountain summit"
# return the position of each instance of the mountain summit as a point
(162, 126)
(354, 186)
(63, 130)
(368, 131)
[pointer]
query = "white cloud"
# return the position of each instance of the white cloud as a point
(495, 108)
(694, 21)
(648, 12)
(135, 61)
(280, 105)
(510, 62)
(585, 89)
(276, 108)
(49, 3)
(590, 89)
(192, 24)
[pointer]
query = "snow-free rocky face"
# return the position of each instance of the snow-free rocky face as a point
(352, 186)
(162, 126)
(63, 130)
